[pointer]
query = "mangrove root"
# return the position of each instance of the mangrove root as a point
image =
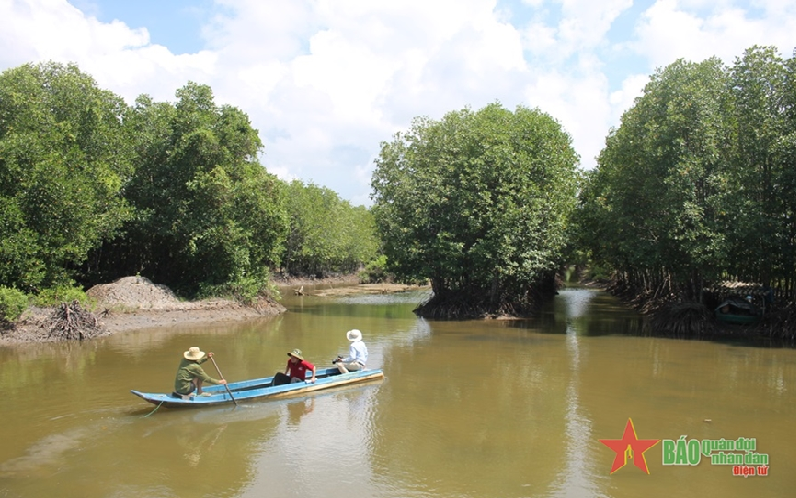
(71, 322)
(682, 320)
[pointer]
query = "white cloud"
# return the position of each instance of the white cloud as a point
(582, 28)
(43, 29)
(586, 22)
(697, 30)
(325, 81)
(632, 88)
(579, 104)
(363, 71)
(539, 38)
(118, 57)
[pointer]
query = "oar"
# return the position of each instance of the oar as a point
(222, 378)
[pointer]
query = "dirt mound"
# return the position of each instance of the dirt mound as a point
(136, 292)
(129, 303)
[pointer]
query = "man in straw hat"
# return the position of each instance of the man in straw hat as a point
(190, 375)
(296, 370)
(357, 353)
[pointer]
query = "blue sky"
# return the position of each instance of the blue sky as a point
(175, 24)
(325, 81)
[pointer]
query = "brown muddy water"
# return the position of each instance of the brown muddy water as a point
(466, 409)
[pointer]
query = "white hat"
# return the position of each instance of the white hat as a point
(193, 353)
(354, 335)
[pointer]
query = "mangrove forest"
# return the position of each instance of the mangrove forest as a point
(690, 210)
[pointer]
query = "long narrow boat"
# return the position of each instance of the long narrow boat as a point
(252, 389)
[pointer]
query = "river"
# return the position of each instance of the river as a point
(466, 409)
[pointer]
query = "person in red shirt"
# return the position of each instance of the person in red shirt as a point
(296, 370)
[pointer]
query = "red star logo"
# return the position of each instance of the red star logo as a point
(630, 446)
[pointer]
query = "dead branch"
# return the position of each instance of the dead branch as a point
(71, 322)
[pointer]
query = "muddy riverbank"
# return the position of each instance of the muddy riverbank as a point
(134, 303)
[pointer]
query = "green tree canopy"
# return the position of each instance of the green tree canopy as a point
(697, 183)
(326, 233)
(654, 201)
(478, 203)
(207, 213)
(758, 83)
(63, 160)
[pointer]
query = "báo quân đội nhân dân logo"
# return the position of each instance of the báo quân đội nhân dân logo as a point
(740, 453)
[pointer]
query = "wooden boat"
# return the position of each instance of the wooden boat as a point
(257, 389)
(738, 311)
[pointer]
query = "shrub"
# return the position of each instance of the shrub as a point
(375, 271)
(12, 304)
(244, 290)
(62, 294)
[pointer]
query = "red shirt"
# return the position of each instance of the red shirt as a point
(299, 369)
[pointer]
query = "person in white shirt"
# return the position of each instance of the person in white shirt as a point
(357, 354)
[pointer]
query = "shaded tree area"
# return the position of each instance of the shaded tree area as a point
(696, 187)
(207, 214)
(326, 234)
(478, 203)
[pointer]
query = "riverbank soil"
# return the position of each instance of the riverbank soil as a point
(133, 303)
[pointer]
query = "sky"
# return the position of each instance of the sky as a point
(325, 82)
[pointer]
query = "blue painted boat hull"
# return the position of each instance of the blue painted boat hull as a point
(258, 389)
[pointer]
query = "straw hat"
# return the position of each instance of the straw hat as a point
(194, 353)
(354, 335)
(296, 353)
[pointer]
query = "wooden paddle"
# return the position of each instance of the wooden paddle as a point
(222, 378)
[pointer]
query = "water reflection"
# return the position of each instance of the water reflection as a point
(323, 448)
(298, 409)
(579, 477)
(43, 457)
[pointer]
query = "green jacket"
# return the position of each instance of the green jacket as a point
(190, 369)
